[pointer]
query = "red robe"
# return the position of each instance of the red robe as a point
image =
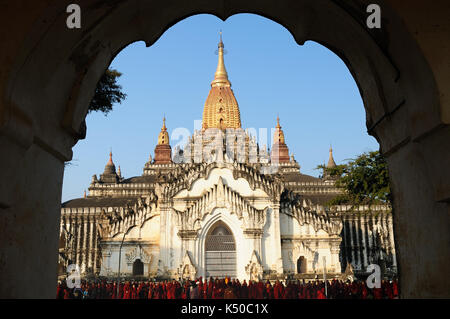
(321, 293)
(395, 289)
(67, 294)
(210, 289)
(244, 291)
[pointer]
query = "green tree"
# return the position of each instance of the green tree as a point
(365, 179)
(107, 93)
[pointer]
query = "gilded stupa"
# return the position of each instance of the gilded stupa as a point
(221, 108)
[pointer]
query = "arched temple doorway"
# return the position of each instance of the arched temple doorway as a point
(220, 252)
(138, 268)
(301, 265)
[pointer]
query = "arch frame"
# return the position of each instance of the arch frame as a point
(235, 226)
(45, 91)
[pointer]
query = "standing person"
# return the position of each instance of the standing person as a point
(121, 289)
(321, 293)
(67, 293)
(159, 291)
(200, 288)
(114, 291)
(59, 291)
(210, 288)
(186, 290)
(244, 290)
(150, 291)
(133, 292)
(229, 292)
(237, 288)
(194, 291)
(277, 290)
(395, 289)
(251, 290)
(269, 291)
(260, 290)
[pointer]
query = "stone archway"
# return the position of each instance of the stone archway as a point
(138, 268)
(301, 265)
(48, 75)
(220, 252)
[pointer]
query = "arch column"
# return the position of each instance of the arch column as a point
(276, 237)
(412, 128)
(363, 241)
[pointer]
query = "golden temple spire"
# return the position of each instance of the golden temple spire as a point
(164, 128)
(163, 137)
(221, 108)
(278, 136)
(221, 75)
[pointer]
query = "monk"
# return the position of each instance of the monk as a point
(269, 291)
(229, 292)
(244, 290)
(321, 293)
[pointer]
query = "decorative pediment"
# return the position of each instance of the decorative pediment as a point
(254, 268)
(220, 196)
(121, 219)
(187, 269)
(185, 176)
(138, 253)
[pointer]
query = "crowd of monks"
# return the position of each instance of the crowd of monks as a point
(228, 289)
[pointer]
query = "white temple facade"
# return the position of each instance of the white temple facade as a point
(223, 208)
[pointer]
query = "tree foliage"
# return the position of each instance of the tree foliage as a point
(107, 92)
(365, 179)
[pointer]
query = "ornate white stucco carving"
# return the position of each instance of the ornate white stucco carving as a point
(138, 253)
(220, 196)
(254, 268)
(187, 269)
(304, 214)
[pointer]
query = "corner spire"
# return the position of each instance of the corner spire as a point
(163, 151)
(280, 151)
(163, 137)
(279, 134)
(110, 167)
(110, 162)
(331, 162)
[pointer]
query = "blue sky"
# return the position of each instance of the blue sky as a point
(308, 86)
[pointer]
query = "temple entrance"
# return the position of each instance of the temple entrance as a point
(138, 268)
(301, 265)
(220, 251)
